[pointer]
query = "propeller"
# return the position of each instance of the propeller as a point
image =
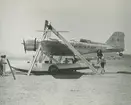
(46, 24)
(35, 47)
(24, 45)
(50, 31)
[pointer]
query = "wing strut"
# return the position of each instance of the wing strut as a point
(71, 48)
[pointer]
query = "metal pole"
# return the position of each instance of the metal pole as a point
(11, 69)
(33, 62)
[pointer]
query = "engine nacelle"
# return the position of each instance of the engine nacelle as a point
(30, 45)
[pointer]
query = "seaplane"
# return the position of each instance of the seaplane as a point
(76, 49)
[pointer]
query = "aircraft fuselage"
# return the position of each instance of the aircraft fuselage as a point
(60, 49)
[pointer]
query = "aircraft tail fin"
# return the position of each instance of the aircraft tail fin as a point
(117, 40)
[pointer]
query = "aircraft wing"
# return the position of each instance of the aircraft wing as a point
(59, 49)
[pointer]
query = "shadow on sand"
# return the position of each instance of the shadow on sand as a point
(124, 72)
(69, 75)
(118, 72)
(57, 75)
(64, 74)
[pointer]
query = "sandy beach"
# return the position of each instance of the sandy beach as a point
(81, 88)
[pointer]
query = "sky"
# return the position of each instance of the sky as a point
(90, 19)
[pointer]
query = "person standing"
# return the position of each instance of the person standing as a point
(99, 55)
(3, 64)
(102, 64)
(1, 67)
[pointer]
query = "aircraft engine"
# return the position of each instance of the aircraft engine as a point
(30, 45)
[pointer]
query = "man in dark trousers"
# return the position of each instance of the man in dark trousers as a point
(3, 64)
(1, 67)
(102, 63)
